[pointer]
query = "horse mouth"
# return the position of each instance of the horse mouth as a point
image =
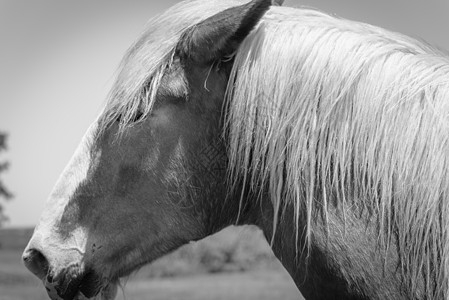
(106, 293)
(90, 286)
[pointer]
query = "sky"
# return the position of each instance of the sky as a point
(57, 64)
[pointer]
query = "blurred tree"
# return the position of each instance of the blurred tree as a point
(4, 193)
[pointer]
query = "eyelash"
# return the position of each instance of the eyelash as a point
(137, 117)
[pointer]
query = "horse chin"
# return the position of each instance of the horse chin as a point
(107, 293)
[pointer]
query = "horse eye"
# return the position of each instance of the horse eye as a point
(138, 116)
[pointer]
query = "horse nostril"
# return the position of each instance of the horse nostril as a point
(36, 262)
(49, 278)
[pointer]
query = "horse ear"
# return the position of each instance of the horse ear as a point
(221, 34)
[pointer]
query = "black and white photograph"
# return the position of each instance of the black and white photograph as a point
(224, 149)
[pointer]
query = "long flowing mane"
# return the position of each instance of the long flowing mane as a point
(326, 111)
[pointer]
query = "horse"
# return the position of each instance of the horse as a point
(328, 134)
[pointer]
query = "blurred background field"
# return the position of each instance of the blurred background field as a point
(236, 263)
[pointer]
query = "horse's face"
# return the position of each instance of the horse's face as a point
(129, 197)
(125, 200)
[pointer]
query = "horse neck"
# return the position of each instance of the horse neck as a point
(344, 260)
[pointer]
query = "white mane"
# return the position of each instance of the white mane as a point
(324, 109)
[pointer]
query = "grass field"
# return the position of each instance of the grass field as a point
(234, 264)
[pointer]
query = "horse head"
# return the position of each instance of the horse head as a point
(328, 134)
(149, 175)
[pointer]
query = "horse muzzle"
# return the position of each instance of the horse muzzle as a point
(71, 282)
